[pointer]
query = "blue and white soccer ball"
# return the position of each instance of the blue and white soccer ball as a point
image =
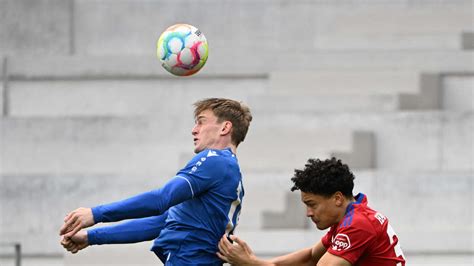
(182, 49)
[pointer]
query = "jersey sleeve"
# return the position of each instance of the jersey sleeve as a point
(133, 231)
(147, 204)
(206, 172)
(350, 242)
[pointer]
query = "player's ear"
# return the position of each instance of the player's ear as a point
(226, 127)
(338, 198)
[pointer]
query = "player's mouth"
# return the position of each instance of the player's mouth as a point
(195, 140)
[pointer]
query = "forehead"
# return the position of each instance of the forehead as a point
(208, 113)
(306, 197)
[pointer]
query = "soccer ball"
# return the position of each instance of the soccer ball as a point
(182, 49)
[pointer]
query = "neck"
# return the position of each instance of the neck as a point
(344, 207)
(232, 147)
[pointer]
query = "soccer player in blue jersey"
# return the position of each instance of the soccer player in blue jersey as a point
(190, 213)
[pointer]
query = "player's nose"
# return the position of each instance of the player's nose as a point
(194, 131)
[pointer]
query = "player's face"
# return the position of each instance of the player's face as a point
(323, 211)
(206, 131)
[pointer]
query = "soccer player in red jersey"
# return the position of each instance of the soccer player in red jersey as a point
(358, 235)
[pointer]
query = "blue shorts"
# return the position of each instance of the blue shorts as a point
(169, 260)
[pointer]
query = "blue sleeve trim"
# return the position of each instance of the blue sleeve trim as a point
(189, 183)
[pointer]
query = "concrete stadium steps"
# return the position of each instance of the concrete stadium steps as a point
(281, 148)
(93, 145)
(123, 86)
(403, 140)
(148, 145)
(122, 98)
(411, 200)
(391, 25)
(98, 27)
(422, 61)
(383, 90)
(458, 93)
(246, 64)
(3, 84)
(344, 82)
(468, 40)
(322, 103)
(59, 98)
(118, 97)
(433, 140)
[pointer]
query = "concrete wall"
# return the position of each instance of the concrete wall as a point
(386, 85)
(98, 27)
(35, 27)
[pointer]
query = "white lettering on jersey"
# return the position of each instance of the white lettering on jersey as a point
(380, 217)
(199, 163)
(341, 242)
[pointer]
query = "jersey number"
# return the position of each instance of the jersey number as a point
(393, 237)
(230, 225)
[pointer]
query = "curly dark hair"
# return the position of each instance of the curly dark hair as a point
(324, 178)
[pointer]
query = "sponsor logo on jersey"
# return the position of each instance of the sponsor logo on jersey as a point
(211, 153)
(341, 242)
(380, 217)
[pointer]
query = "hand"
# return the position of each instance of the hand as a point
(238, 253)
(76, 242)
(75, 221)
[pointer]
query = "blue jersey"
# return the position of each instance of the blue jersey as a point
(187, 216)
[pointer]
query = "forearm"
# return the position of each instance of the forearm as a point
(147, 204)
(300, 257)
(254, 261)
(133, 231)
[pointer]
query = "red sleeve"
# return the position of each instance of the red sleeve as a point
(351, 242)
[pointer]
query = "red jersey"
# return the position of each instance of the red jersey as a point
(364, 237)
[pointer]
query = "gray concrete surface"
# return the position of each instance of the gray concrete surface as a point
(458, 93)
(89, 106)
(246, 64)
(35, 27)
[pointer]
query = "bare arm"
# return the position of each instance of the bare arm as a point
(307, 256)
(240, 253)
(300, 257)
(318, 251)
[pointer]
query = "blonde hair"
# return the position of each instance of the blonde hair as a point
(228, 110)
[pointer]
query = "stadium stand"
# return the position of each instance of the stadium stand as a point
(386, 85)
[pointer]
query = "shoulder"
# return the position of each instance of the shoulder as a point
(210, 161)
(358, 223)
